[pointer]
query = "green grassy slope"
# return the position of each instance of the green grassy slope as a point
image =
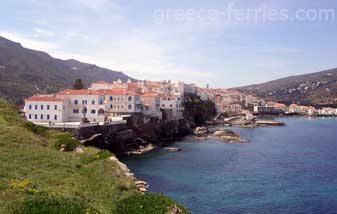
(31, 167)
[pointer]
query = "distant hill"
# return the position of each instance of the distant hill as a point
(24, 72)
(319, 89)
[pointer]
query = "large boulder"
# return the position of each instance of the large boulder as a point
(200, 131)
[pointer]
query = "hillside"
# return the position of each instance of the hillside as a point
(24, 72)
(36, 178)
(319, 89)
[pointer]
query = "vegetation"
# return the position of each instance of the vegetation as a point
(149, 204)
(198, 111)
(78, 85)
(52, 205)
(36, 178)
(66, 140)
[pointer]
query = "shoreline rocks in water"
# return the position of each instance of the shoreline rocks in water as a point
(172, 149)
(142, 150)
(226, 135)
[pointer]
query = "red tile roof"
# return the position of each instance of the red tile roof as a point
(116, 92)
(149, 95)
(79, 92)
(134, 85)
(44, 98)
(101, 82)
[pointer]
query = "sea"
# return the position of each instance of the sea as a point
(290, 169)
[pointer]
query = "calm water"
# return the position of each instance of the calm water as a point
(290, 169)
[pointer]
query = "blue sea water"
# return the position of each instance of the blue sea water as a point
(291, 169)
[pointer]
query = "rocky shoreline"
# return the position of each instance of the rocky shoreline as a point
(142, 186)
(225, 135)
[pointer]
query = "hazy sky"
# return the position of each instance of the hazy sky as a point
(223, 43)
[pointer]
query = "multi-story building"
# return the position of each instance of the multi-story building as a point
(86, 103)
(171, 106)
(151, 105)
(45, 108)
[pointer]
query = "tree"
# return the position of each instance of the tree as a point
(198, 111)
(78, 85)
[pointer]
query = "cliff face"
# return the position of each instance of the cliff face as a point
(134, 134)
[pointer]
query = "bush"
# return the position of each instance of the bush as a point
(67, 140)
(39, 130)
(51, 205)
(146, 204)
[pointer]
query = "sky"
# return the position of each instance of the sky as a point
(217, 42)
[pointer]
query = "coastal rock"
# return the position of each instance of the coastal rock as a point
(79, 150)
(227, 136)
(142, 150)
(175, 210)
(63, 148)
(172, 149)
(200, 131)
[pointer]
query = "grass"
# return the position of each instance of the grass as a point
(36, 178)
(149, 204)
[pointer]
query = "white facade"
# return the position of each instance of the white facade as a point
(46, 109)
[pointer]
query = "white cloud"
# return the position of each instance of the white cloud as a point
(44, 32)
(95, 4)
(29, 42)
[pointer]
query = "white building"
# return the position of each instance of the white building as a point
(45, 108)
(172, 105)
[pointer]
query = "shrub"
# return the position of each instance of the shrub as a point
(36, 129)
(146, 204)
(67, 140)
(51, 205)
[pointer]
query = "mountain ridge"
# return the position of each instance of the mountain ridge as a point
(24, 72)
(317, 88)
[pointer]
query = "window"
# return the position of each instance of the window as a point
(30, 116)
(93, 111)
(76, 111)
(115, 98)
(130, 98)
(55, 107)
(171, 105)
(41, 116)
(76, 102)
(110, 98)
(48, 117)
(55, 117)
(84, 102)
(111, 106)
(114, 106)
(30, 106)
(93, 102)
(129, 107)
(117, 106)
(35, 107)
(163, 105)
(41, 107)
(35, 116)
(101, 102)
(168, 99)
(48, 107)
